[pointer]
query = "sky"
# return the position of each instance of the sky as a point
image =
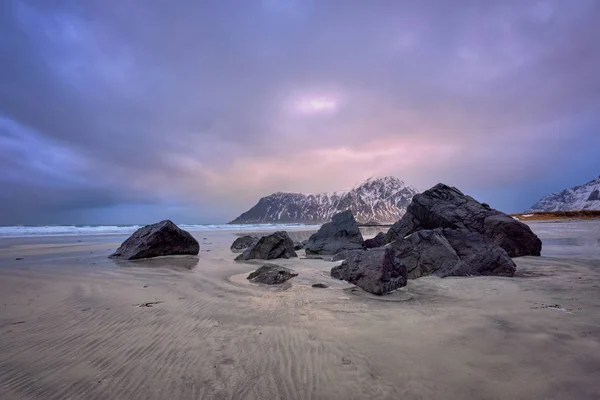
(133, 111)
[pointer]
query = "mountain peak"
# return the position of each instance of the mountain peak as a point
(379, 199)
(577, 198)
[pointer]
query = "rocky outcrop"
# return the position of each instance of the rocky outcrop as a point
(160, 239)
(377, 200)
(378, 271)
(447, 207)
(271, 274)
(276, 245)
(377, 241)
(342, 233)
(448, 252)
(242, 243)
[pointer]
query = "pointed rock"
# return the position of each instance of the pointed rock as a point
(276, 245)
(160, 239)
(342, 233)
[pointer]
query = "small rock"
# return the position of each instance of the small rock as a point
(271, 274)
(276, 245)
(320, 286)
(19, 258)
(377, 241)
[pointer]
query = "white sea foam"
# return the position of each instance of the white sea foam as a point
(73, 230)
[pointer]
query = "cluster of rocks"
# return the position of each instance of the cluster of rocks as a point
(443, 233)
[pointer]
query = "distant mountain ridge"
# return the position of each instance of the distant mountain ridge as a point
(377, 200)
(578, 198)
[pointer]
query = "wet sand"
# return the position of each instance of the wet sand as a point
(77, 325)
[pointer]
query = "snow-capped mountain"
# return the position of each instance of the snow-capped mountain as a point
(376, 200)
(584, 197)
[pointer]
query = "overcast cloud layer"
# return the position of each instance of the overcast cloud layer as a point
(134, 111)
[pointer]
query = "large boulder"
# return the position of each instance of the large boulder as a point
(377, 241)
(342, 233)
(378, 271)
(242, 243)
(447, 207)
(449, 252)
(271, 274)
(160, 239)
(276, 245)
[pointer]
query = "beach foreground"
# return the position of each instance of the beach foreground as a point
(77, 325)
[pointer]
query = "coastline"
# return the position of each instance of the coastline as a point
(74, 325)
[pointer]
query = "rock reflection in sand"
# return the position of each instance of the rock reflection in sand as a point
(178, 263)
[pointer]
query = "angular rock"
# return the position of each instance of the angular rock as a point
(377, 241)
(449, 252)
(242, 243)
(160, 239)
(447, 207)
(271, 274)
(378, 271)
(342, 233)
(276, 245)
(298, 245)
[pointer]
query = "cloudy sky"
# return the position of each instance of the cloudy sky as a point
(125, 111)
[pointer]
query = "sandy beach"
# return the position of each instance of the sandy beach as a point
(76, 325)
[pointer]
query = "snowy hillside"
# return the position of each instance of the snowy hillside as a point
(584, 197)
(376, 200)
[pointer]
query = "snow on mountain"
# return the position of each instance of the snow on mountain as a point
(584, 197)
(376, 200)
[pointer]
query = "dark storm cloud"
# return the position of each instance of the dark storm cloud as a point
(208, 105)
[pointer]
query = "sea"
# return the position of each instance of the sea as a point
(87, 230)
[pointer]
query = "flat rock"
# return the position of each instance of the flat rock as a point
(320, 286)
(377, 241)
(342, 233)
(242, 243)
(276, 245)
(449, 252)
(378, 271)
(271, 274)
(447, 207)
(160, 239)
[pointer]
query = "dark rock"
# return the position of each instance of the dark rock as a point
(276, 245)
(160, 239)
(19, 258)
(448, 252)
(378, 271)
(298, 246)
(342, 233)
(344, 254)
(242, 243)
(447, 207)
(271, 274)
(320, 286)
(377, 241)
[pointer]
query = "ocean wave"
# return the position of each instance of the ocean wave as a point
(75, 230)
